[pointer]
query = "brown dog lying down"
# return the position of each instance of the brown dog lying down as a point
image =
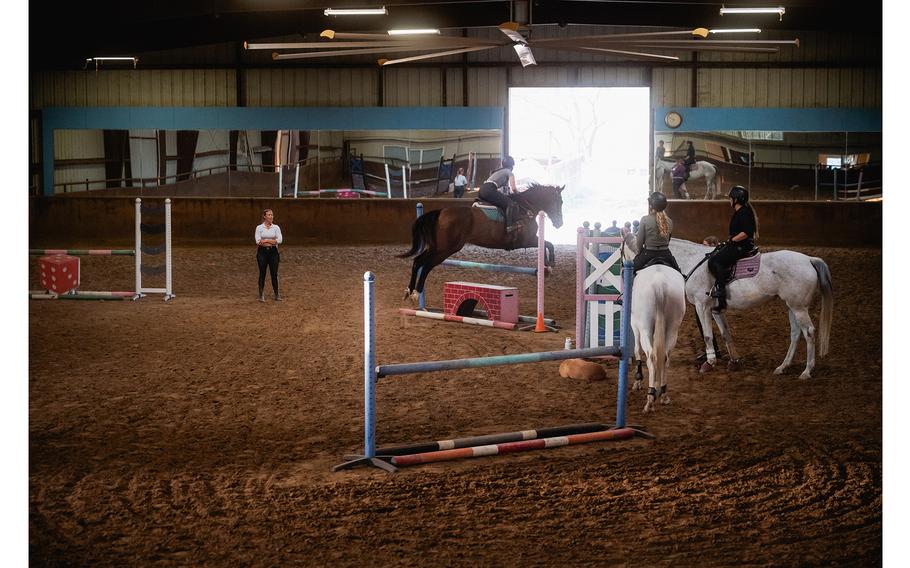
(581, 369)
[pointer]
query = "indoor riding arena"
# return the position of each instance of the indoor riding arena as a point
(180, 413)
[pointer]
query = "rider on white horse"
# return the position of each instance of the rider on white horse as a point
(743, 228)
(690, 157)
(653, 237)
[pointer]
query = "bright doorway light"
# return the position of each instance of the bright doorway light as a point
(593, 140)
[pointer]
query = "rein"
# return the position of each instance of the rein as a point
(702, 261)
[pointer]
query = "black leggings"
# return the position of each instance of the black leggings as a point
(721, 263)
(490, 194)
(268, 257)
(643, 257)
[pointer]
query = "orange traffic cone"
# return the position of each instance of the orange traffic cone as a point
(539, 327)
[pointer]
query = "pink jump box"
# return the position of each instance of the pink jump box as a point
(59, 273)
(500, 302)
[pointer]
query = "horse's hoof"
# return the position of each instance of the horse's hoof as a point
(649, 407)
(665, 399)
(733, 365)
(547, 270)
(636, 385)
(780, 370)
(805, 375)
(706, 367)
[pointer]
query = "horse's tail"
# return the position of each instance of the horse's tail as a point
(423, 233)
(659, 339)
(824, 322)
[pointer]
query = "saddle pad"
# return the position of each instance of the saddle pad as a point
(491, 211)
(747, 267)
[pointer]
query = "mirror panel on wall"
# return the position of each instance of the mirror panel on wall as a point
(248, 163)
(774, 165)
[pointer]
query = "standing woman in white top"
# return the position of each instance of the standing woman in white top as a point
(268, 237)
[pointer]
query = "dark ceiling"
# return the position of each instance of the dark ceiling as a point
(64, 36)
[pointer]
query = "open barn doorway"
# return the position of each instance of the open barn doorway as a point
(593, 140)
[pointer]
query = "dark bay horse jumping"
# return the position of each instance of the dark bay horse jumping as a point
(437, 235)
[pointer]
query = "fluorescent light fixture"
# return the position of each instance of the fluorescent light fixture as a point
(98, 60)
(426, 31)
(780, 10)
(736, 31)
(355, 11)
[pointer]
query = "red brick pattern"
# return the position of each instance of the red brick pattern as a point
(500, 302)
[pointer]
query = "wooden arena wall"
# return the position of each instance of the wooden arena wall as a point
(106, 222)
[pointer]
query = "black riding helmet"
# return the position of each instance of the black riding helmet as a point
(657, 201)
(739, 194)
(508, 162)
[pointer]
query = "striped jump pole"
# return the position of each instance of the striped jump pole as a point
(458, 319)
(512, 447)
(492, 439)
(82, 252)
(43, 295)
(372, 372)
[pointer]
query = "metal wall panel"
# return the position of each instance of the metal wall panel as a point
(579, 76)
(671, 87)
(786, 88)
(454, 86)
(412, 86)
(487, 86)
(72, 144)
(312, 87)
(181, 87)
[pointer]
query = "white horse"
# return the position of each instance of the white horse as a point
(793, 277)
(701, 169)
(658, 307)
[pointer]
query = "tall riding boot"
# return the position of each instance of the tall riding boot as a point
(720, 292)
(261, 294)
(511, 217)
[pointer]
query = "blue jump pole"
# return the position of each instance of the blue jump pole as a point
(625, 342)
(491, 267)
(371, 372)
(497, 360)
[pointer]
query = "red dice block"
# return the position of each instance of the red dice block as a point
(59, 273)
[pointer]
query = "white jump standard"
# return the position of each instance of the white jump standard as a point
(136, 252)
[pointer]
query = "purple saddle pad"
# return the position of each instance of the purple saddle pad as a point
(747, 267)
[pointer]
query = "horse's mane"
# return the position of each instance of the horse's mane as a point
(682, 243)
(528, 199)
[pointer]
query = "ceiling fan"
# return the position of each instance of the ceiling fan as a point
(628, 45)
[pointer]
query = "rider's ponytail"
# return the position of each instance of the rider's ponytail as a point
(754, 214)
(663, 223)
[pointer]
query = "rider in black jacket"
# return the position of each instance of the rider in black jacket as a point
(742, 232)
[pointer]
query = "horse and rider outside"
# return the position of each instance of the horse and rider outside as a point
(743, 230)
